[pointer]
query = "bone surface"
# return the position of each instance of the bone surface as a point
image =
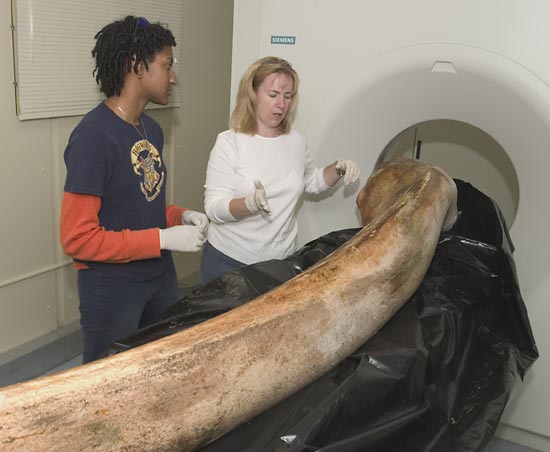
(183, 391)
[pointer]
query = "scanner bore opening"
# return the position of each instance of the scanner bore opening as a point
(465, 152)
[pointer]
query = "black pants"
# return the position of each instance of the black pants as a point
(112, 308)
(214, 263)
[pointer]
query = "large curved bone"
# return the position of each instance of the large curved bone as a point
(183, 391)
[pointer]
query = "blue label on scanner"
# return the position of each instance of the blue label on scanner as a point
(288, 40)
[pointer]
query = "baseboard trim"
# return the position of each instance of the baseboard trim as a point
(40, 355)
(523, 437)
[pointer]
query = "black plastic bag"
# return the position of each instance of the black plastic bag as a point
(436, 377)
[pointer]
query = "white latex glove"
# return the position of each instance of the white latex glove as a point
(349, 169)
(258, 201)
(194, 218)
(181, 238)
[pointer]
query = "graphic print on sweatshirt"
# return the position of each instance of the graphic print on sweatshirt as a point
(147, 164)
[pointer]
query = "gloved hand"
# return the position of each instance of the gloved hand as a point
(181, 238)
(349, 169)
(194, 218)
(258, 201)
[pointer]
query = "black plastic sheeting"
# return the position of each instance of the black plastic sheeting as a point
(436, 377)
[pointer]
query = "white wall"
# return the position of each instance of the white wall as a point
(34, 298)
(206, 82)
(37, 285)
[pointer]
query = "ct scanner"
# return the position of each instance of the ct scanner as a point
(372, 69)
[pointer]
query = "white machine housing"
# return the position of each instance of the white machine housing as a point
(371, 69)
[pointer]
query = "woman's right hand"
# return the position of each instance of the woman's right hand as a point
(184, 238)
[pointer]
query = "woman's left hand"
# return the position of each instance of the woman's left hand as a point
(349, 169)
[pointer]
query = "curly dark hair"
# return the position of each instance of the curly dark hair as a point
(121, 40)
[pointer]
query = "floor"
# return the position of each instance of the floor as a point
(500, 445)
(496, 444)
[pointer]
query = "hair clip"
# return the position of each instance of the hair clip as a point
(143, 23)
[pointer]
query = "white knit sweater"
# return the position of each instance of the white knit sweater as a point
(285, 168)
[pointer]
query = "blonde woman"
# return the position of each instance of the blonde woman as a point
(257, 171)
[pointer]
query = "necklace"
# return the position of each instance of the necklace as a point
(142, 135)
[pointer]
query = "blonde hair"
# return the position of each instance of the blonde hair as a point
(243, 118)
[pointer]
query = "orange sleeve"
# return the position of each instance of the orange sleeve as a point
(83, 238)
(173, 215)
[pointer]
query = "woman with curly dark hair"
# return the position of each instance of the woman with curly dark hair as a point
(114, 220)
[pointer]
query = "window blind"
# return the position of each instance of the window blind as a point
(53, 42)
